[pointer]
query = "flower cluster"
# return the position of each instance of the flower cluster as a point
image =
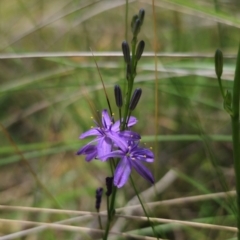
(111, 143)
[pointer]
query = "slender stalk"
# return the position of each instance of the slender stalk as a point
(235, 134)
(126, 20)
(220, 85)
(144, 209)
(111, 210)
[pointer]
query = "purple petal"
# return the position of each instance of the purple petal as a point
(86, 149)
(144, 154)
(91, 132)
(132, 121)
(106, 120)
(91, 155)
(143, 171)
(130, 135)
(116, 126)
(122, 172)
(117, 153)
(89, 150)
(119, 141)
(104, 146)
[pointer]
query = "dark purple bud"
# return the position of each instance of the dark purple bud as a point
(99, 192)
(118, 96)
(136, 27)
(218, 63)
(126, 52)
(109, 184)
(140, 49)
(141, 15)
(134, 19)
(135, 98)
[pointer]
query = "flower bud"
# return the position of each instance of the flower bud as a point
(126, 52)
(99, 192)
(136, 27)
(109, 183)
(135, 98)
(118, 96)
(140, 49)
(134, 19)
(141, 15)
(218, 63)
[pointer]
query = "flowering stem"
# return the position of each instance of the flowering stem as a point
(235, 134)
(129, 87)
(111, 213)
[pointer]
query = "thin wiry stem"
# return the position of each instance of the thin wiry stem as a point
(235, 134)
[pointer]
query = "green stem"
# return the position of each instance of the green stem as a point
(111, 211)
(144, 209)
(221, 88)
(235, 134)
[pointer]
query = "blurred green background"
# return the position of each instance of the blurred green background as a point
(50, 87)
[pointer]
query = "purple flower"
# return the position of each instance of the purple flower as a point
(131, 156)
(107, 135)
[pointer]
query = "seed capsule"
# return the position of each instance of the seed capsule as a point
(135, 98)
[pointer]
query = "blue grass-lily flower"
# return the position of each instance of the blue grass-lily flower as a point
(131, 156)
(107, 136)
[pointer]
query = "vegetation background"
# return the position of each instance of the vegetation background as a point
(50, 87)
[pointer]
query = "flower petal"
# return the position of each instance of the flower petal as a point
(130, 135)
(122, 172)
(116, 126)
(117, 153)
(89, 150)
(91, 132)
(143, 171)
(104, 146)
(144, 154)
(91, 155)
(119, 141)
(132, 121)
(106, 120)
